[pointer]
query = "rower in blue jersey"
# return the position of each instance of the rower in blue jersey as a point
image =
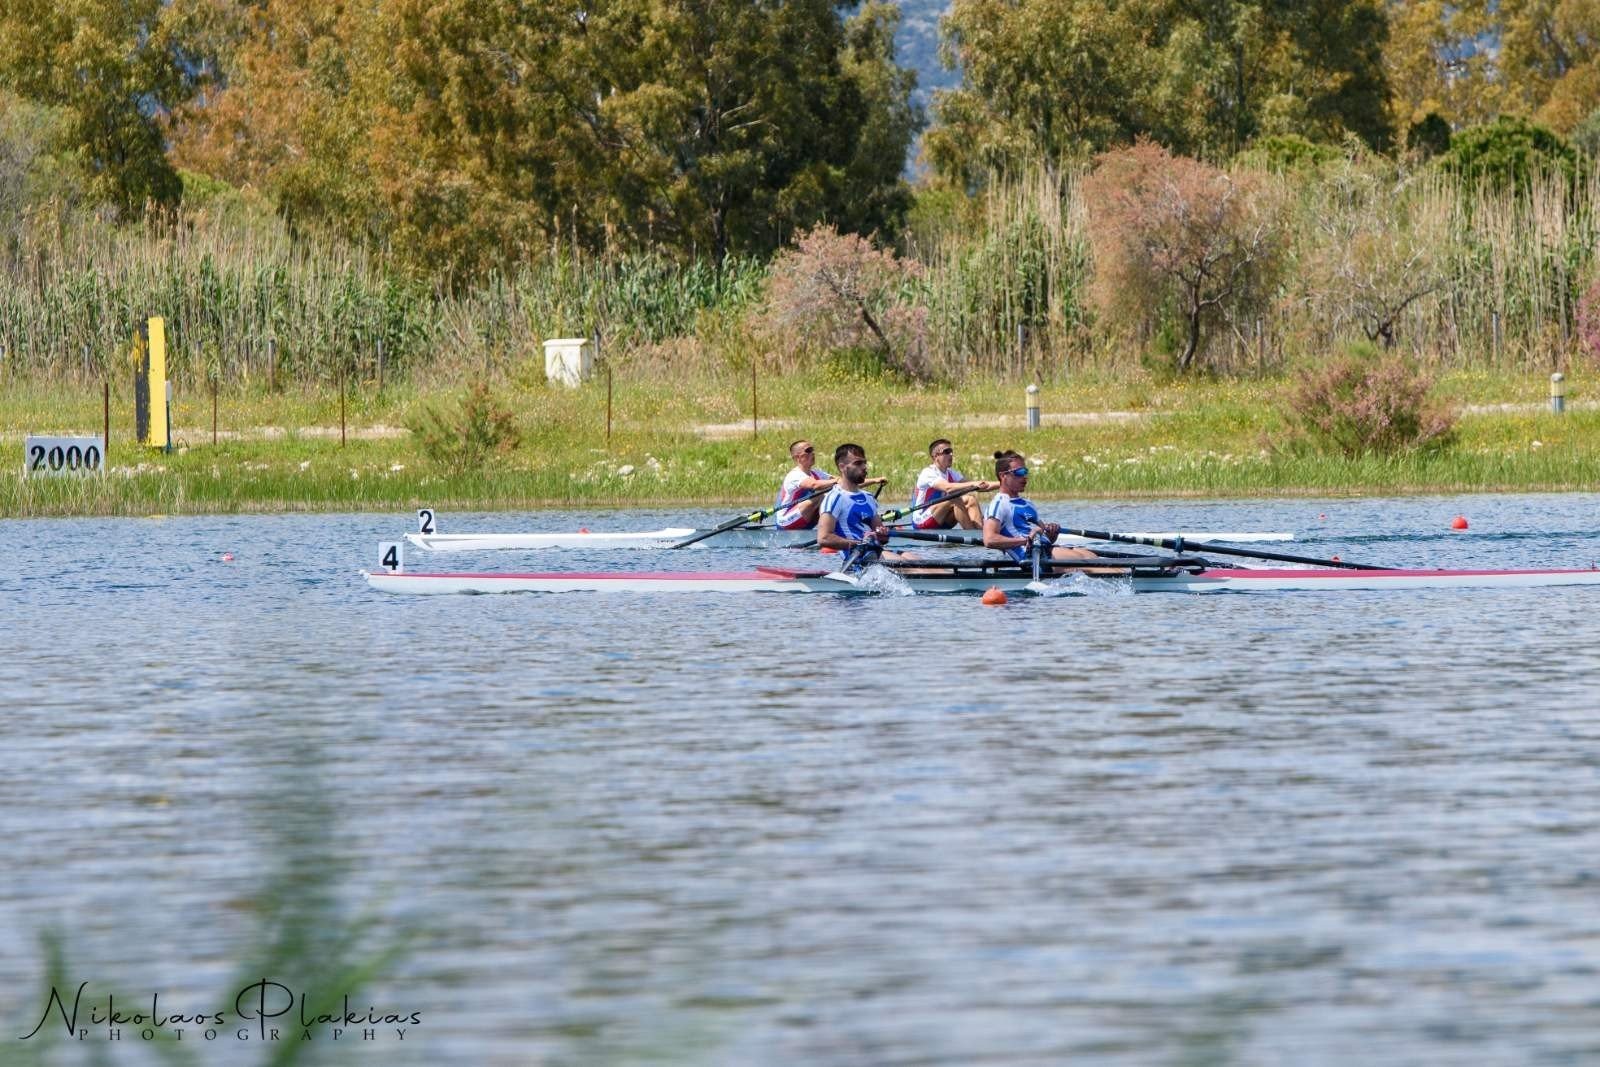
(849, 513)
(1010, 521)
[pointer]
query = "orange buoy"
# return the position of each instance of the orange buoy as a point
(1458, 523)
(994, 596)
(1334, 558)
(826, 551)
(1323, 517)
(227, 557)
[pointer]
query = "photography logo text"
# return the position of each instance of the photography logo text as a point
(261, 1011)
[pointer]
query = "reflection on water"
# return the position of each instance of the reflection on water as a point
(1311, 828)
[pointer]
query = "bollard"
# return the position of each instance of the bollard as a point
(1558, 393)
(1033, 407)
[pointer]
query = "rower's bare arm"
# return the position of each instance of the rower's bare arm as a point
(826, 535)
(993, 538)
(810, 484)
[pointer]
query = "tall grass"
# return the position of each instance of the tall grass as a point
(242, 297)
(1003, 287)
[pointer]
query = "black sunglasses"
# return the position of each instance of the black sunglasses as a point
(945, 452)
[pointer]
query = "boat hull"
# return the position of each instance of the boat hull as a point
(779, 580)
(754, 537)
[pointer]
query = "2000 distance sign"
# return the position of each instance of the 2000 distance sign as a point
(63, 455)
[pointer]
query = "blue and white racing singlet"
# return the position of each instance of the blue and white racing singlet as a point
(790, 493)
(1016, 514)
(852, 512)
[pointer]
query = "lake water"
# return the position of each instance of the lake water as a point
(752, 829)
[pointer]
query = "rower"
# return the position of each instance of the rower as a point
(1010, 519)
(803, 479)
(849, 516)
(941, 477)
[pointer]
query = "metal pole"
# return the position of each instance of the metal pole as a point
(1558, 393)
(272, 363)
(380, 364)
(105, 422)
(608, 406)
(1033, 406)
(755, 422)
(341, 403)
(213, 412)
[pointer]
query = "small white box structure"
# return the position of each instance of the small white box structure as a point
(568, 360)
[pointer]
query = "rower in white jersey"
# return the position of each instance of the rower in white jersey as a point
(850, 513)
(803, 479)
(1010, 521)
(936, 480)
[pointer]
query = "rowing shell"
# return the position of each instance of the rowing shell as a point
(1151, 580)
(747, 537)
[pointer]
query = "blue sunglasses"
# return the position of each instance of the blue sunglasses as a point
(1018, 472)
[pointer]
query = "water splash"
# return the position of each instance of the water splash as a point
(880, 579)
(1076, 583)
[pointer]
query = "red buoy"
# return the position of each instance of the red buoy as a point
(826, 551)
(994, 596)
(1458, 523)
(583, 529)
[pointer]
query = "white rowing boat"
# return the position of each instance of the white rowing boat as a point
(957, 578)
(743, 537)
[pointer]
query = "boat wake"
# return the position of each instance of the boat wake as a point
(1079, 584)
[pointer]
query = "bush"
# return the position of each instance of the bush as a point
(463, 441)
(836, 291)
(1429, 136)
(1585, 136)
(1588, 323)
(1282, 152)
(1363, 403)
(1509, 152)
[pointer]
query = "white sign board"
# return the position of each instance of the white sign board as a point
(63, 455)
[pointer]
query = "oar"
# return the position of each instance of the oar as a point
(941, 537)
(894, 514)
(745, 520)
(1178, 544)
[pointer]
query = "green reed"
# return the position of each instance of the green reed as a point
(1004, 282)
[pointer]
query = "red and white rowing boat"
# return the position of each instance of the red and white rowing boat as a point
(957, 578)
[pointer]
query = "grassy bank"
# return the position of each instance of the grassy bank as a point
(690, 443)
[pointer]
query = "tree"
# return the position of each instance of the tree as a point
(116, 70)
(1373, 260)
(1170, 230)
(1064, 78)
(470, 133)
(1438, 59)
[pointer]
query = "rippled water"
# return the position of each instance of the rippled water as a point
(1308, 828)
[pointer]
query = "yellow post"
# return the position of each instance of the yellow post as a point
(150, 384)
